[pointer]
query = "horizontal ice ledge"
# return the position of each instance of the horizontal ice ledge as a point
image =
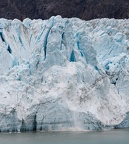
(62, 74)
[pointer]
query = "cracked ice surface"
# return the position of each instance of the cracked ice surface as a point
(64, 74)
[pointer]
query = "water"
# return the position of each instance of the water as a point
(108, 137)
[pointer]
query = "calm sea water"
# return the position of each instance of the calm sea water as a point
(108, 137)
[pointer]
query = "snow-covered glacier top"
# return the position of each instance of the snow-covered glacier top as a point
(64, 74)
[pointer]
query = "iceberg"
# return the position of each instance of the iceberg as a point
(64, 74)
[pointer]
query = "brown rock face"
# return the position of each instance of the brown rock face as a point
(44, 9)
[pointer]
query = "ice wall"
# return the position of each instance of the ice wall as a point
(64, 74)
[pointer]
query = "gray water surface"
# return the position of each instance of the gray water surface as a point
(108, 137)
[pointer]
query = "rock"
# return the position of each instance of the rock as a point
(84, 9)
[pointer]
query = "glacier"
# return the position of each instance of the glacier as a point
(64, 74)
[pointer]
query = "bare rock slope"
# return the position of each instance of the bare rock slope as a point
(84, 9)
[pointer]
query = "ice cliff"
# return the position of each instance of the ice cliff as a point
(64, 74)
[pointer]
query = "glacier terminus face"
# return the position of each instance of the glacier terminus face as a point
(64, 74)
